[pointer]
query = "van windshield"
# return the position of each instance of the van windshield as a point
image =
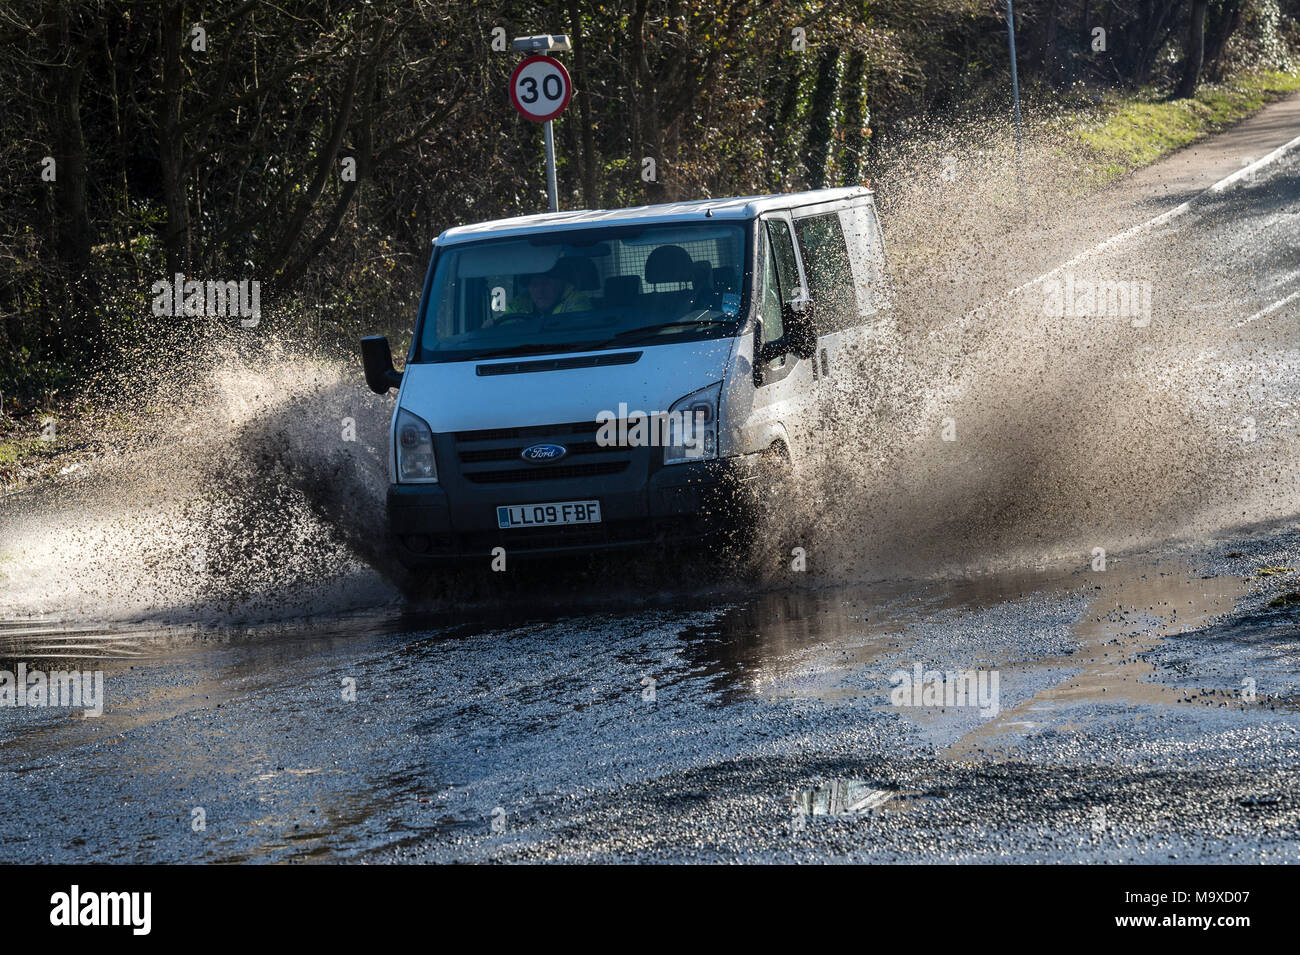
(583, 290)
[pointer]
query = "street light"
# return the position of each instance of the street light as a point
(1015, 88)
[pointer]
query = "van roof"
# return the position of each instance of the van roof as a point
(741, 207)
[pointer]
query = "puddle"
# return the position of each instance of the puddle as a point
(1135, 609)
(829, 643)
(841, 797)
(803, 643)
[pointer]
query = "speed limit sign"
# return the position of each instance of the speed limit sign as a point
(540, 88)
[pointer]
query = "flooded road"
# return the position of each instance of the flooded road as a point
(1073, 636)
(1123, 730)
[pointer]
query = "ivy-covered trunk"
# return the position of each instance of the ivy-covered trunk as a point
(821, 117)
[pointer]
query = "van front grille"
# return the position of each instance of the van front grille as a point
(512, 453)
(495, 456)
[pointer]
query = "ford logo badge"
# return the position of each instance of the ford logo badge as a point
(543, 453)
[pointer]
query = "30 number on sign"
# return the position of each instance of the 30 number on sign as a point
(540, 88)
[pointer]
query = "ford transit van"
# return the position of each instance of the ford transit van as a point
(603, 379)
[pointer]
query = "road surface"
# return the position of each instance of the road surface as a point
(1139, 704)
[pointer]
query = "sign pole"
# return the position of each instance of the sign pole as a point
(1015, 90)
(552, 189)
(1015, 80)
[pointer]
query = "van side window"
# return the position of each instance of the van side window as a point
(787, 267)
(862, 230)
(769, 309)
(826, 260)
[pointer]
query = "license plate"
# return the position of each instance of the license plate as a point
(548, 515)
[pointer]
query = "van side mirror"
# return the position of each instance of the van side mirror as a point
(377, 360)
(799, 339)
(800, 328)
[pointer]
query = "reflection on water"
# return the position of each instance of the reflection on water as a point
(1133, 612)
(809, 643)
(827, 632)
(251, 716)
(841, 797)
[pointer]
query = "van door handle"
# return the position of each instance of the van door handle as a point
(825, 364)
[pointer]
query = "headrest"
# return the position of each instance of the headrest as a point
(669, 263)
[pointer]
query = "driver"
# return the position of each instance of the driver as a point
(549, 293)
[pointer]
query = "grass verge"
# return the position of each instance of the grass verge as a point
(1131, 130)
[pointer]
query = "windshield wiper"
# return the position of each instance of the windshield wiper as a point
(647, 329)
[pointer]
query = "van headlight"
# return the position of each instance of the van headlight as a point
(692, 432)
(414, 441)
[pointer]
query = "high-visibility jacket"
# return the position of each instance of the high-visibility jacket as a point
(569, 301)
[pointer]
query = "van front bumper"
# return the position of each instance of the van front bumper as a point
(694, 501)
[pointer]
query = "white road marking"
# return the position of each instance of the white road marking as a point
(1271, 309)
(1224, 184)
(1246, 171)
(1113, 241)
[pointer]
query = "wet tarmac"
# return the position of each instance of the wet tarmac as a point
(1030, 709)
(1123, 729)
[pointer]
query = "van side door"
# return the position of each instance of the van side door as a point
(830, 284)
(841, 270)
(784, 386)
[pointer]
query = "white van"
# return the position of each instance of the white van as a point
(600, 379)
